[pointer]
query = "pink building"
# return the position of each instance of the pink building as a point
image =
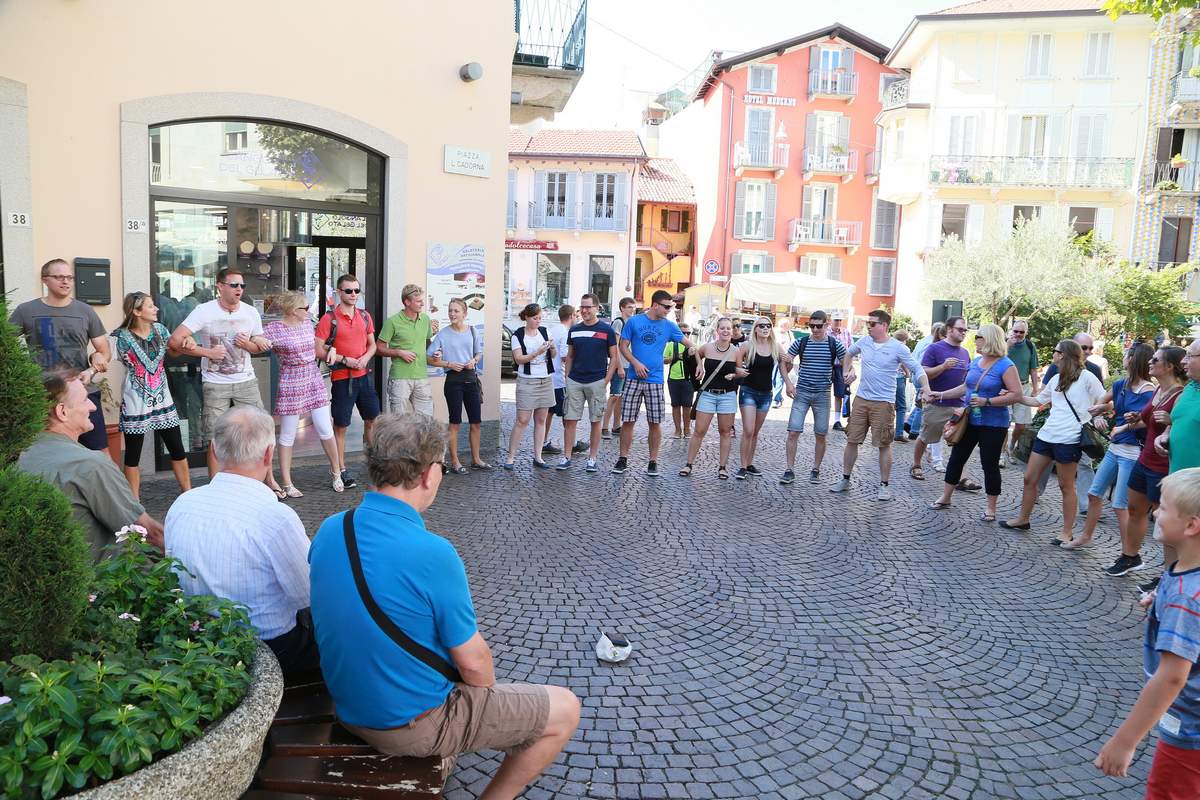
(781, 146)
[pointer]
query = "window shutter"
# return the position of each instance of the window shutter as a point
(1104, 223)
(1083, 136)
(684, 226)
(873, 276)
(1054, 136)
(1031, 54)
(769, 213)
(768, 263)
(665, 218)
(1099, 144)
(847, 61)
(814, 57)
(1012, 145)
(1004, 218)
(844, 132)
(573, 198)
(810, 133)
(968, 136)
(511, 211)
(954, 147)
(1163, 151)
(539, 207)
(588, 218)
(735, 262)
(933, 239)
(621, 202)
(835, 269)
(974, 223)
(739, 210)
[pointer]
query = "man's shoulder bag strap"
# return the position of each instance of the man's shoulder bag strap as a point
(417, 651)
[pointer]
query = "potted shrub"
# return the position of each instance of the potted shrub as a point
(1167, 186)
(1178, 161)
(1194, 72)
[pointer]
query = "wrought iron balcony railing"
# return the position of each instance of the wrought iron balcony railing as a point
(761, 155)
(550, 33)
(839, 233)
(832, 82)
(896, 95)
(832, 160)
(1091, 173)
(1174, 176)
(1185, 88)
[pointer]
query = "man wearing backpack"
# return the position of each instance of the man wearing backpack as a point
(346, 340)
(818, 355)
(1023, 353)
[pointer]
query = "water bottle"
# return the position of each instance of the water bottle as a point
(976, 415)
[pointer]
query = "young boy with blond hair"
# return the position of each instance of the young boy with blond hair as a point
(1171, 697)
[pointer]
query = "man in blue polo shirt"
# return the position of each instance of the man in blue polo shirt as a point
(589, 365)
(399, 703)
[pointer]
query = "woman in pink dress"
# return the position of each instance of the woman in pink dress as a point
(301, 388)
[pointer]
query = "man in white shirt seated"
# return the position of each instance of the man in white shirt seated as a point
(242, 544)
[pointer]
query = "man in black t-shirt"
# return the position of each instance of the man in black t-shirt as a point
(589, 365)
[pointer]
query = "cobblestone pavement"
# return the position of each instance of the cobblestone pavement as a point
(788, 642)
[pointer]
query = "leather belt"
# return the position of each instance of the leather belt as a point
(720, 391)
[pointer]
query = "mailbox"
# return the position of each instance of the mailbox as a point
(945, 309)
(93, 281)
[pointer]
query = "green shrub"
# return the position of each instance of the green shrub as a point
(153, 668)
(45, 567)
(23, 403)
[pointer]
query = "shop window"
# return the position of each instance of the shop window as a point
(600, 281)
(553, 279)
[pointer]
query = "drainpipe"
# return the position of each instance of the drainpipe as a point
(725, 189)
(630, 223)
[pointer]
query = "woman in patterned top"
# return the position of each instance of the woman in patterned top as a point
(146, 403)
(301, 388)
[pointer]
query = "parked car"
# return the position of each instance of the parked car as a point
(508, 367)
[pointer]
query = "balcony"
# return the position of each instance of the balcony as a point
(872, 171)
(1180, 177)
(551, 215)
(831, 233)
(837, 84)
(1185, 88)
(830, 161)
(510, 219)
(896, 95)
(761, 156)
(1033, 171)
(548, 60)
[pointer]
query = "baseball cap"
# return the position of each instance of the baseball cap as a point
(837, 315)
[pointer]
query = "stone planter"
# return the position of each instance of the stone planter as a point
(221, 763)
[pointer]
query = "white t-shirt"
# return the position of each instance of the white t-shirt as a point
(558, 335)
(537, 367)
(210, 324)
(1063, 427)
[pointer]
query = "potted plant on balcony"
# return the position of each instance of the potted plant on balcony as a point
(1194, 72)
(1167, 186)
(1178, 161)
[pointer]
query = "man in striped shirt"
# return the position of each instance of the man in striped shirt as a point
(818, 355)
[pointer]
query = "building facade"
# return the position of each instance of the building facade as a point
(570, 217)
(152, 171)
(1012, 113)
(666, 214)
(780, 145)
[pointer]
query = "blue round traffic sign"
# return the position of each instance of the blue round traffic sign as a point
(712, 266)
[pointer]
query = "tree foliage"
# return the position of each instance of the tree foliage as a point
(1151, 302)
(297, 154)
(23, 403)
(1029, 270)
(1155, 8)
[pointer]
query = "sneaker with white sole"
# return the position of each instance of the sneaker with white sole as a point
(842, 485)
(590, 466)
(652, 469)
(563, 463)
(788, 476)
(885, 493)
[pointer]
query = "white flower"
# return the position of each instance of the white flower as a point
(127, 615)
(5, 699)
(179, 602)
(177, 590)
(91, 598)
(135, 531)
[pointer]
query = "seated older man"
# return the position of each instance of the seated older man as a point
(407, 667)
(99, 494)
(242, 544)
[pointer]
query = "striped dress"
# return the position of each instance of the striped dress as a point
(146, 403)
(301, 388)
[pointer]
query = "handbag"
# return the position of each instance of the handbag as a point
(1093, 443)
(417, 651)
(708, 380)
(955, 428)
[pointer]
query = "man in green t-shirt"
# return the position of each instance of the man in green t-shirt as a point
(404, 338)
(1183, 435)
(1024, 355)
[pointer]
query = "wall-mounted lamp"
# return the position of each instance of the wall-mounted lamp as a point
(471, 72)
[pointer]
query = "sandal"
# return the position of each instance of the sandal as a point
(291, 491)
(459, 470)
(986, 517)
(280, 494)
(1076, 544)
(1014, 526)
(481, 465)
(723, 473)
(686, 471)
(916, 473)
(968, 485)
(938, 505)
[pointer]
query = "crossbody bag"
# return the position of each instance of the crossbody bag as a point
(417, 651)
(955, 428)
(1093, 443)
(708, 380)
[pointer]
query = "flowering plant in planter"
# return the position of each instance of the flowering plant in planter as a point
(150, 669)
(1178, 161)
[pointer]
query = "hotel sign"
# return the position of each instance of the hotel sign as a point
(530, 244)
(767, 100)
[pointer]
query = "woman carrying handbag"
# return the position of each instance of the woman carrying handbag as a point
(718, 395)
(992, 384)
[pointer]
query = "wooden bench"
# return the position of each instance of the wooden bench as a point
(308, 756)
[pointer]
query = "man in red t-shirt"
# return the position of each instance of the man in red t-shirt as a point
(349, 350)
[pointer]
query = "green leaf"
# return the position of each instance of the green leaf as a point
(52, 782)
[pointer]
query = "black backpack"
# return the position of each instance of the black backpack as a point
(689, 364)
(833, 359)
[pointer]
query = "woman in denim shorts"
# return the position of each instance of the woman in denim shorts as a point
(718, 371)
(760, 357)
(1128, 395)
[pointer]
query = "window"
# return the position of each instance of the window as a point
(1097, 47)
(1032, 142)
(749, 261)
(881, 277)
(237, 137)
(1037, 55)
(1082, 219)
(1025, 212)
(605, 198)
(835, 269)
(808, 265)
(883, 230)
(507, 286)
(600, 281)
(553, 279)
(510, 217)
(758, 135)
(1175, 240)
(556, 195)
(762, 78)
(954, 220)
(884, 82)
(962, 136)
(675, 221)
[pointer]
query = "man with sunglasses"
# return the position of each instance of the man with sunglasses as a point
(348, 347)
(818, 355)
(58, 329)
(945, 363)
(224, 332)
(1023, 354)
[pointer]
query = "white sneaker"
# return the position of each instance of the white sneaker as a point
(590, 466)
(1003, 459)
(885, 493)
(842, 485)
(939, 467)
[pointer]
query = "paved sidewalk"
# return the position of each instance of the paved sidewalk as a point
(788, 642)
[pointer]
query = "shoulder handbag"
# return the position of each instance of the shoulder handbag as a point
(1091, 440)
(417, 651)
(708, 380)
(956, 427)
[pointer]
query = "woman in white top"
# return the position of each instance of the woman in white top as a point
(1071, 394)
(533, 352)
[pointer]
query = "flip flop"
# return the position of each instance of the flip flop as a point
(483, 465)
(916, 473)
(291, 491)
(1013, 526)
(686, 471)
(938, 505)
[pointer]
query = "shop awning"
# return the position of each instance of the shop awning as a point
(791, 289)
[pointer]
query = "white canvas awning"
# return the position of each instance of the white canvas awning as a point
(791, 289)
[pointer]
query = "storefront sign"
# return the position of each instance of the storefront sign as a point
(465, 161)
(530, 244)
(455, 270)
(767, 100)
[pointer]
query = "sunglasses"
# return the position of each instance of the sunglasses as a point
(1018, 333)
(351, 291)
(1088, 347)
(816, 326)
(873, 322)
(959, 330)
(236, 285)
(766, 325)
(665, 306)
(586, 308)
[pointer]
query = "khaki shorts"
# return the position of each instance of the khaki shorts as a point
(1021, 413)
(535, 393)
(505, 716)
(220, 397)
(878, 415)
(933, 422)
(594, 394)
(410, 394)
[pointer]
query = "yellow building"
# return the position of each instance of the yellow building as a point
(666, 212)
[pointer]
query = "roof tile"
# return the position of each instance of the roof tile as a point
(1019, 7)
(578, 143)
(662, 181)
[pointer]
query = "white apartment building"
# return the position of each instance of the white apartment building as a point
(1012, 108)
